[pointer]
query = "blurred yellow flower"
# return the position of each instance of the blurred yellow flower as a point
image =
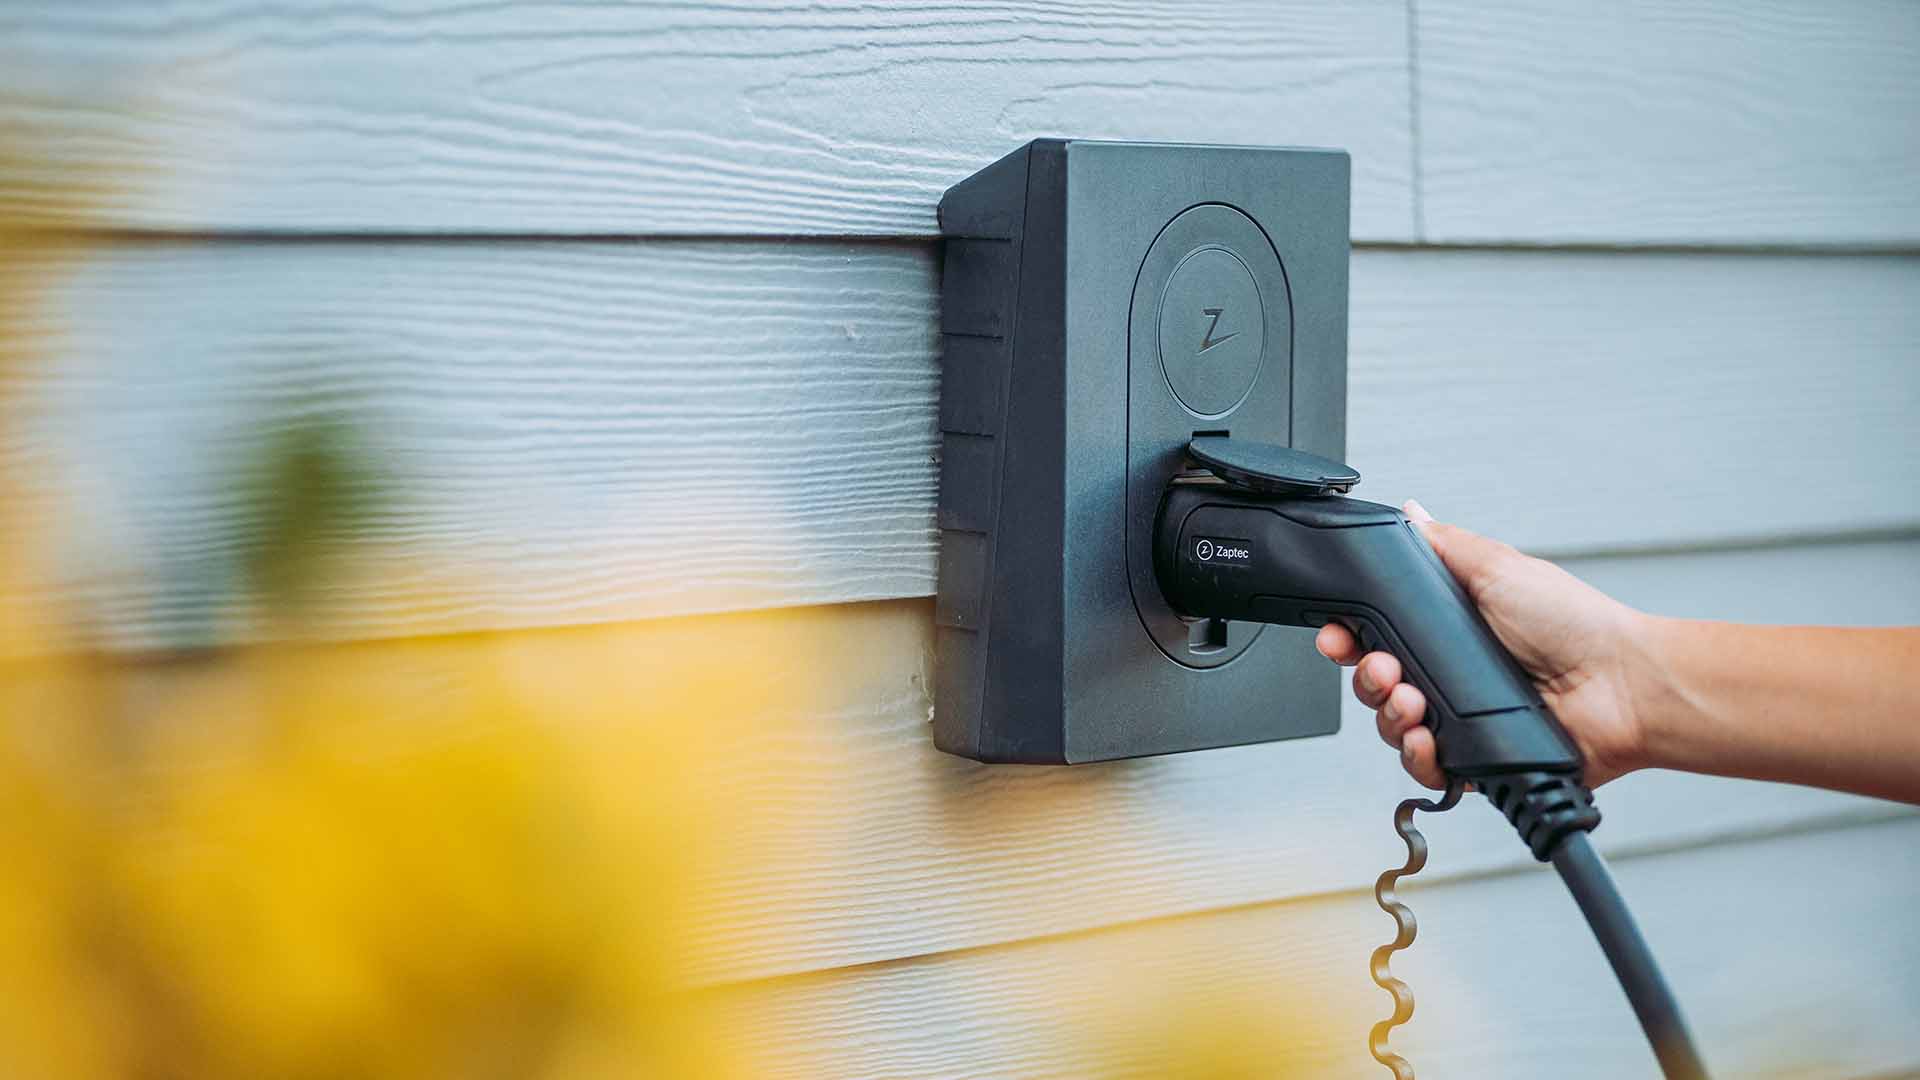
(375, 861)
(454, 857)
(372, 861)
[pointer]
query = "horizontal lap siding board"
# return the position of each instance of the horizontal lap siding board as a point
(582, 432)
(594, 118)
(1593, 402)
(876, 846)
(1790, 122)
(567, 433)
(1707, 123)
(1794, 956)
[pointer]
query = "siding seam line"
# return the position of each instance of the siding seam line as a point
(1414, 148)
(104, 238)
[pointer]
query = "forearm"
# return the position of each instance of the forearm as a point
(1834, 708)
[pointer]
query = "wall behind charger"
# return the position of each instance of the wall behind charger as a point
(1636, 286)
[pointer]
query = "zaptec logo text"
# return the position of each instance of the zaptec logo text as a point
(1220, 550)
(1207, 340)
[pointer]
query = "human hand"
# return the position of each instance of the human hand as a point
(1575, 641)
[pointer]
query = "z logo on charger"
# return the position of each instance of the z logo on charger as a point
(1207, 340)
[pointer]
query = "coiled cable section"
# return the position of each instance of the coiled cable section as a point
(1381, 963)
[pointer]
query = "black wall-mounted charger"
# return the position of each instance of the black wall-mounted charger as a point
(1102, 304)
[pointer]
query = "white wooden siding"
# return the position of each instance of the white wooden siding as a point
(583, 117)
(584, 277)
(565, 420)
(1785, 122)
(1702, 121)
(1793, 955)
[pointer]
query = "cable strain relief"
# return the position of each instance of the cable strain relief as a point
(1543, 807)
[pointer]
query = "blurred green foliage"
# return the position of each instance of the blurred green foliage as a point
(311, 488)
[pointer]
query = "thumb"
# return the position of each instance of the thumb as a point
(1473, 559)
